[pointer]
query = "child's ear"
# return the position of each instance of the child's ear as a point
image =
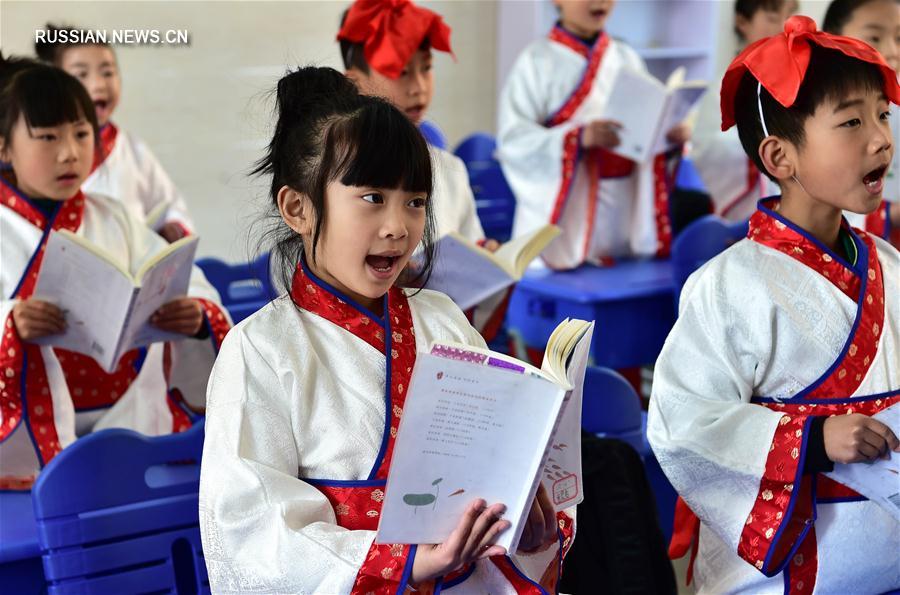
(778, 156)
(296, 210)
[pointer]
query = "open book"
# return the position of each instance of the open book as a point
(108, 307)
(470, 274)
(648, 110)
(479, 424)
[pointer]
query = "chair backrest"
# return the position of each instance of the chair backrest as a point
(700, 241)
(495, 202)
(117, 512)
(610, 404)
(244, 288)
(433, 134)
(478, 147)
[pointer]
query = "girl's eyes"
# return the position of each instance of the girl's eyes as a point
(418, 202)
(46, 137)
(873, 40)
(851, 123)
(82, 134)
(885, 115)
(373, 197)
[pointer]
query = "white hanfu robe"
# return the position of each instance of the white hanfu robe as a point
(303, 408)
(775, 330)
(125, 169)
(607, 206)
(50, 396)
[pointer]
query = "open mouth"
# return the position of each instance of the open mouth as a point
(382, 266)
(67, 178)
(874, 180)
(599, 13)
(101, 104)
(415, 112)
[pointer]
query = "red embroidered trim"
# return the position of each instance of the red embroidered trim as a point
(108, 135)
(804, 565)
(360, 507)
(593, 199)
(753, 182)
(571, 144)
(661, 206)
(521, 585)
(776, 491)
(90, 385)
(495, 322)
(14, 353)
(771, 232)
(218, 322)
(594, 56)
(877, 221)
(846, 377)
(181, 421)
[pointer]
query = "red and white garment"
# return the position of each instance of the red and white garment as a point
(772, 332)
(304, 405)
(50, 396)
(125, 169)
(732, 180)
(607, 206)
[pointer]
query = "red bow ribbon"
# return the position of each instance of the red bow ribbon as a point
(779, 63)
(391, 31)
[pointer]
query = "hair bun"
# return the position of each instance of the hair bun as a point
(308, 90)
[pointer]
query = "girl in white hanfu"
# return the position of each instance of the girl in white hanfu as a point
(48, 396)
(556, 154)
(788, 343)
(124, 167)
(307, 394)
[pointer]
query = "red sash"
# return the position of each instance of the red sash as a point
(779, 535)
(108, 135)
(600, 162)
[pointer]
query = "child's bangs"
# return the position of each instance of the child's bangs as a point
(50, 97)
(381, 148)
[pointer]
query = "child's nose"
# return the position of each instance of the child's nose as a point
(394, 224)
(69, 150)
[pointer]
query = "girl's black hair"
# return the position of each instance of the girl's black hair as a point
(327, 131)
(831, 75)
(50, 48)
(839, 14)
(748, 8)
(43, 94)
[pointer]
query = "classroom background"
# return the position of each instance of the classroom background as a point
(213, 95)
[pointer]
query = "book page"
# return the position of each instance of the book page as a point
(681, 101)
(561, 474)
(465, 275)
(468, 431)
(165, 280)
(93, 293)
(636, 102)
(879, 480)
(518, 252)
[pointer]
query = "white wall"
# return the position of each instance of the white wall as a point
(203, 109)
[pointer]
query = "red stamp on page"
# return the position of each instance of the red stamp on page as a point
(565, 489)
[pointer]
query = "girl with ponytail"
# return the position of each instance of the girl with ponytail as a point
(306, 396)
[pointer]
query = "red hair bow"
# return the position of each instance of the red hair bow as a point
(779, 63)
(391, 31)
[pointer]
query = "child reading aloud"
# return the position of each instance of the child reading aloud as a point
(557, 156)
(787, 343)
(307, 394)
(48, 395)
(124, 167)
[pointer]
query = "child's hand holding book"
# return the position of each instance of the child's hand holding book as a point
(181, 315)
(856, 438)
(473, 539)
(35, 319)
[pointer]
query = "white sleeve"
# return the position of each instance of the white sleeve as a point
(158, 188)
(718, 449)
(263, 529)
(530, 153)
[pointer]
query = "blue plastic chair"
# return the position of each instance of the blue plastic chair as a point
(244, 288)
(433, 134)
(688, 178)
(612, 409)
(700, 241)
(476, 148)
(117, 512)
(21, 571)
(495, 202)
